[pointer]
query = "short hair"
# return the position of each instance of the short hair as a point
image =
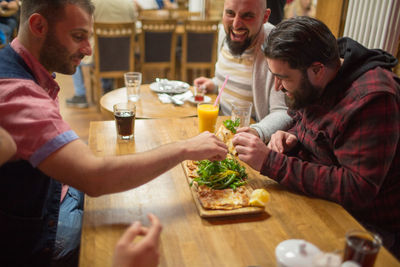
(52, 10)
(301, 41)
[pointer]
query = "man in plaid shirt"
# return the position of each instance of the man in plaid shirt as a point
(344, 143)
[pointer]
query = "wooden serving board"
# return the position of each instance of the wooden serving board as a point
(208, 213)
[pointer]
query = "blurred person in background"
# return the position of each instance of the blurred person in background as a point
(300, 8)
(166, 4)
(8, 24)
(240, 56)
(156, 4)
(277, 10)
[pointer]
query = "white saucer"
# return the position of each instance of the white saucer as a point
(207, 99)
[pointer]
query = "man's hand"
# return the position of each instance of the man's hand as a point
(247, 130)
(282, 142)
(204, 146)
(251, 149)
(204, 83)
(140, 254)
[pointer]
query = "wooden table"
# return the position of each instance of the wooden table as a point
(148, 106)
(187, 239)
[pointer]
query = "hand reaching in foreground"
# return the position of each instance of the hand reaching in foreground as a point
(204, 83)
(247, 130)
(251, 149)
(205, 146)
(282, 142)
(140, 254)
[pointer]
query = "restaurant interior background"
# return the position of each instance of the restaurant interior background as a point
(373, 23)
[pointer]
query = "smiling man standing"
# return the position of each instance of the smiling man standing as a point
(240, 56)
(40, 209)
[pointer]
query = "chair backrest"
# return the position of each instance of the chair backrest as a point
(153, 14)
(199, 49)
(114, 51)
(157, 49)
(183, 14)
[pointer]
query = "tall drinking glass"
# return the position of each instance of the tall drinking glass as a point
(133, 80)
(208, 114)
(242, 110)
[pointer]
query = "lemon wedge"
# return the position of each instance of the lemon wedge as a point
(259, 198)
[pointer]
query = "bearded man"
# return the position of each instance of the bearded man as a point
(345, 143)
(240, 56)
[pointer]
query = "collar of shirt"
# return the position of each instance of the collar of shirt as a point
(246, 58)
(43, 77)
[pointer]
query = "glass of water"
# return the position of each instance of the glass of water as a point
(133, 80)
(242, 110)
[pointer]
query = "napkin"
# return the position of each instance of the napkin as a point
(165, 98)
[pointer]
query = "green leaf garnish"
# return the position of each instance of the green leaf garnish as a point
(232, 125)
(221, 174)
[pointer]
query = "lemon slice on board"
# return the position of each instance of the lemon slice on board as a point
(259, 198)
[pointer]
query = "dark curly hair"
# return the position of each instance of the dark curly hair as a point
(300, 41)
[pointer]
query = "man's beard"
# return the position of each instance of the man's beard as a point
(55, 57)
(305, 95)
(237, 48)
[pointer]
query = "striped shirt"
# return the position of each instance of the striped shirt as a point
(239, 85)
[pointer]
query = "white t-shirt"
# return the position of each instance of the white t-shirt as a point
(147, 4)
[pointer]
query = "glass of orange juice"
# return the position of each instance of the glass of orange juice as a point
(208, 114)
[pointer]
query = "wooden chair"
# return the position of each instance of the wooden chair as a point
(183, 14)
(114, 52)
(157, 49)
(154, 14)
(199, 49)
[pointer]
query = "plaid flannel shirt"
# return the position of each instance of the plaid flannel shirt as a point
(348, 149)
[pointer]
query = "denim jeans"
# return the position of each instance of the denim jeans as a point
(66, 251)
(79, 84)
(7, 26)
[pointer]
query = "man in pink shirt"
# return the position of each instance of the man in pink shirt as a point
(53, 37)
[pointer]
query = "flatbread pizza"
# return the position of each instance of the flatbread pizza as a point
(221, 185)
(226, 132)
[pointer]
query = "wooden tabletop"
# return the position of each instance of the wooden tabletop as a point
(148, 106)
(189, 240)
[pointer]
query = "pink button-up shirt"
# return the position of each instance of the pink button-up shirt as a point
(30, 112)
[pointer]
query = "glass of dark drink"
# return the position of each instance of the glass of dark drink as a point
(124, 114)
(362, 247)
